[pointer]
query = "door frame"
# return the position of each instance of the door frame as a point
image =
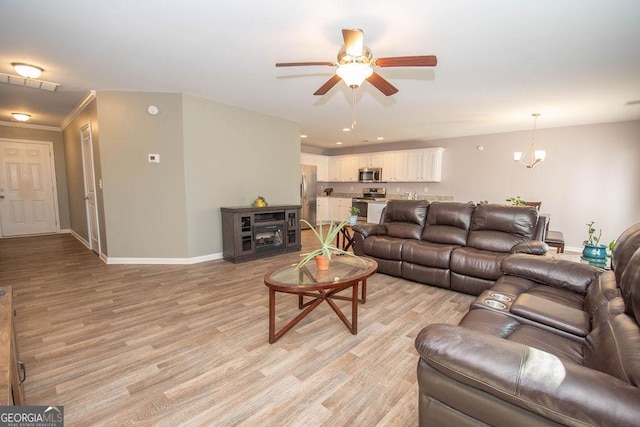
(97, 250)
(54, 182)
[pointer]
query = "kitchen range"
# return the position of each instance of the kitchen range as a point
(368, 195)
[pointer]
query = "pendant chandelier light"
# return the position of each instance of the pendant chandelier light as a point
(534, 155)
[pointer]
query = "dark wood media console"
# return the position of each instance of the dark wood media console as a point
(250, 233)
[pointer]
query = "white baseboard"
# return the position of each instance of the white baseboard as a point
(80, 239)
(167, 261)
(64, 231)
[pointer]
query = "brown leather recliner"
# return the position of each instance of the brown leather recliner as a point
(498, 369)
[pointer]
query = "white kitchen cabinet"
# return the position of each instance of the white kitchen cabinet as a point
(394, 166)
(425, 165)
(339, 208)
(343, 168)
(320, 162)
(322, 210)
(370, 160)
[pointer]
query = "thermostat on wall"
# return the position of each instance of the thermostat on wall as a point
(154, 158)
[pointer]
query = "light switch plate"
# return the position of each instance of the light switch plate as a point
(154, 158)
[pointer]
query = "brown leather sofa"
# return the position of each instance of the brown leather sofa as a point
(447, 244)
(564, 350)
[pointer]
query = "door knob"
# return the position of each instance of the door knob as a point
(86, 197)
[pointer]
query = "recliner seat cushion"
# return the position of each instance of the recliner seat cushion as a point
(427, 253)
(384, 247)
(477, 263)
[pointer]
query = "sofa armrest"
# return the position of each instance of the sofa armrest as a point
(370, 229)
(532, 247)
(560, 273)
(529, 378)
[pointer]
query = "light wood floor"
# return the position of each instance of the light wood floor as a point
(188, 345)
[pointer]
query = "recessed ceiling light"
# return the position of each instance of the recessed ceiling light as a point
(380, 138)
(303, 136)
(338, 143)
(346, 129)
(21, 117)
(27, 70)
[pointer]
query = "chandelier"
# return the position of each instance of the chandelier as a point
(535, 156)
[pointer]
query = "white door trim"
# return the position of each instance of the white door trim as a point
(54, 182)
(87, 205)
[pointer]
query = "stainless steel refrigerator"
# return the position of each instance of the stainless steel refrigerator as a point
(308, 194)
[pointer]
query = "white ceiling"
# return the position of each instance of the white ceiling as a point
(499, 61)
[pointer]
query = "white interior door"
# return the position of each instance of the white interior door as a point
(27, 192)
(90, 189)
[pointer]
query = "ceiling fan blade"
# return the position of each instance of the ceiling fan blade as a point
(328, 85)
(382, 84)
(353, 42)
(408, 61)
(298, 64)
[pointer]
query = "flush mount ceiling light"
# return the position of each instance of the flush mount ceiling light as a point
(536, 156)
(27, 70)
(21, 117)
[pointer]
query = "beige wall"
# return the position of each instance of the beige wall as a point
(232, 156)
(144, 203)
(54, 136)
(591, 174)
(211, 155)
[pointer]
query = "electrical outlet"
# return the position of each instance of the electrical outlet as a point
(426, 189)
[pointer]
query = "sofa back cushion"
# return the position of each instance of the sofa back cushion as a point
(626, 245)
(405, 218)
(448, 223)
(614, 348)
(498, 228)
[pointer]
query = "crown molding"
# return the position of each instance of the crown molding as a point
(30, 126)
(90, 97)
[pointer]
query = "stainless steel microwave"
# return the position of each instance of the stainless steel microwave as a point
(370, 175)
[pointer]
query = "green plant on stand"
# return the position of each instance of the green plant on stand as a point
(594, 253)
(516, 201)
(327, 248)
(353, 215)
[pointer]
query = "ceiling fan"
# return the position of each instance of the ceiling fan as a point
(356, 63)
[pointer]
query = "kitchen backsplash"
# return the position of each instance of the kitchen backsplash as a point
(390, 196)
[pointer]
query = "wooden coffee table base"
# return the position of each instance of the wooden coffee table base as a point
(309, 306)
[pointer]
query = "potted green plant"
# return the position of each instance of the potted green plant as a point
(594, 252)
(353, 215)
(327, 247)
(516, 201)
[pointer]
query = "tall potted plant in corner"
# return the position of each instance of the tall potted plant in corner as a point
(594, 252)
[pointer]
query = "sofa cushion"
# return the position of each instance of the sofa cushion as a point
(477, 263)
(625, 246)
(405, 218)
(427, 253)
(614, 348)
(498, 228)
(511, 329)
(448, 223)
(384, 247)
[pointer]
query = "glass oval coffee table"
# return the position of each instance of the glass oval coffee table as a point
(344, 272)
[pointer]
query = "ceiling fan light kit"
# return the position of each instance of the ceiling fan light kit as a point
(356, 64)
(536, 156)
